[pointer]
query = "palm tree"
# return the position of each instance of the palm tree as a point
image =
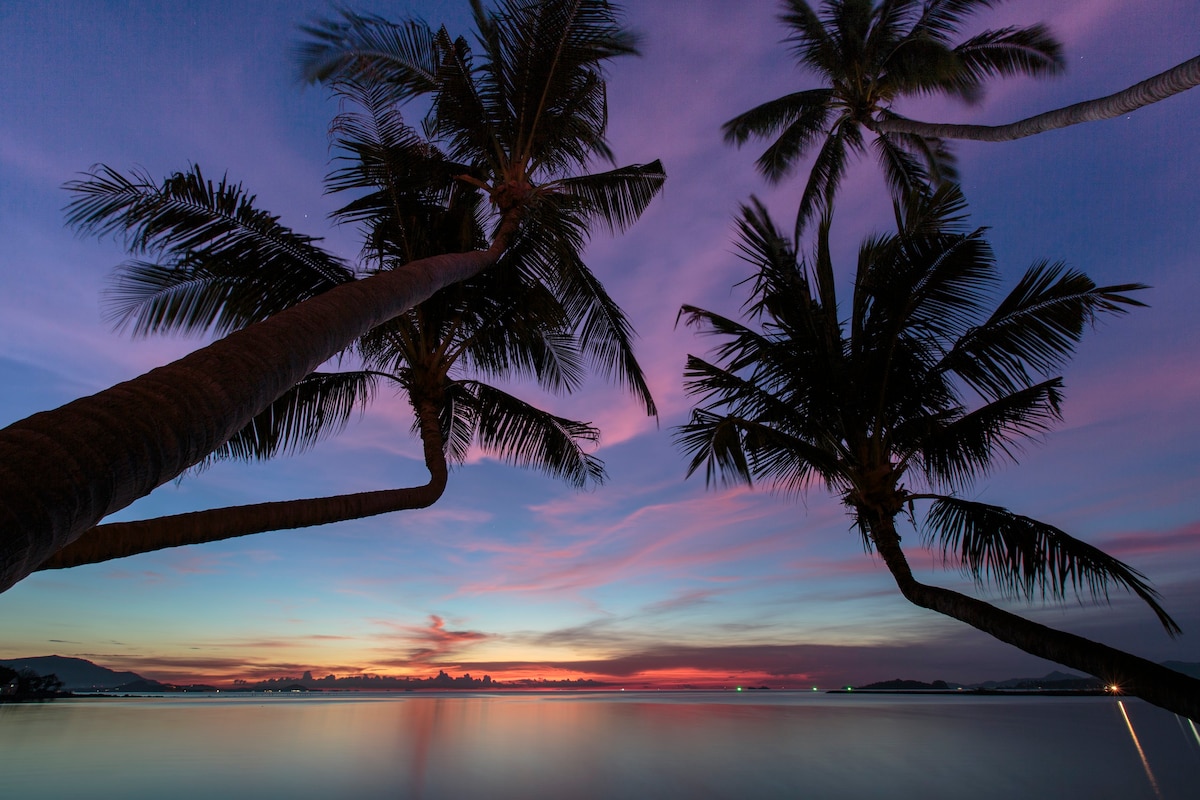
(421, 353)
(62, 471)
(502, 323)
(923, 388)
(868, 55)
(871, 54)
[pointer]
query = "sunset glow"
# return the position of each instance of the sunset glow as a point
(651, 580)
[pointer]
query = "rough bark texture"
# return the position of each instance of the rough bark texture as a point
(1136, 676)
(62, 471)
(1161, 86)
(121, 539)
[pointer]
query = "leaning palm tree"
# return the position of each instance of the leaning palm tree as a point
(502, 323)
(921, 387)
(62, 471)
(869, 55)
(425, 354)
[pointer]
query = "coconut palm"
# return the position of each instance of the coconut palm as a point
(869, 55)
(922, 387)
(422, 354)
(502, 323)
(62, 471)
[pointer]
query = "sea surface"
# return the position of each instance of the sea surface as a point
(596, 745)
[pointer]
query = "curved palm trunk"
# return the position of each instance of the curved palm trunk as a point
(121, 539)
(1152, 682)
(62, 471)
(1161, 86)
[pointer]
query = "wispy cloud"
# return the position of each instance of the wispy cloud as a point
(431, 644)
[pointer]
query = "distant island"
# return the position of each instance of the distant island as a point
(1051, 684)
(48, 677)
(442, 680)
(78, 675)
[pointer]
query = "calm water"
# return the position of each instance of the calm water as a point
(780, 745)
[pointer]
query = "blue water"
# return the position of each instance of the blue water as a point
(632, 745)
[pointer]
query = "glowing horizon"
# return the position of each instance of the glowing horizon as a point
(649, 577)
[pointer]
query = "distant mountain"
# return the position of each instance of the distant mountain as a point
(81, 675)
(1054, 680)
(1062, 681)
(77, 674)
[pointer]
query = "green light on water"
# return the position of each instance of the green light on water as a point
(739, 688)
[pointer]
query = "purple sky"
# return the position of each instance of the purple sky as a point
(649, 577)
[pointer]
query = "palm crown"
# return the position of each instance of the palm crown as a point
(928, 382)
(521, 120)
(868, 55)
(221, 264)
(540, 68)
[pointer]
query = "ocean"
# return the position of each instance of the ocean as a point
(596, 745)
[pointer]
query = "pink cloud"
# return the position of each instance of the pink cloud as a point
(677, 538)
(1179, 541)
(430, 644)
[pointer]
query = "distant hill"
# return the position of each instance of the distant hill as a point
(1054, 680)
(77, 674)
(81, 675)
(1061, 681)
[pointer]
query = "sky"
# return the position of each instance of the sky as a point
(650, 579)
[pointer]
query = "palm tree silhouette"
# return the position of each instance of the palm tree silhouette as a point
(502, 323)
(923, 388)
(869, 55)
(525, 119)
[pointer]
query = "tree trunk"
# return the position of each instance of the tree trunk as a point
(62, 471)
(1152, 682)
(121, 539)
(1161, 86)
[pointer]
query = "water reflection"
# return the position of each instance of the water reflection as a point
(597, 746)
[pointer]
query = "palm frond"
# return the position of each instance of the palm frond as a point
(715, 443)
(796, 119)
(551, 74)
(219, 261)
(935, 155)
(474, 131)
(906, 176)
(520, 331)
(929, 285)
(365, 48)
(521, 434)
(1029, 51)
(919, 66)
(604, 331)
(549, 245)
(953, 449)
(811, 41)
(381, 153)
(940, 19)
(1025, 557)
(827, 172)
(1034, 329)
(319, 406)
(615, 198)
